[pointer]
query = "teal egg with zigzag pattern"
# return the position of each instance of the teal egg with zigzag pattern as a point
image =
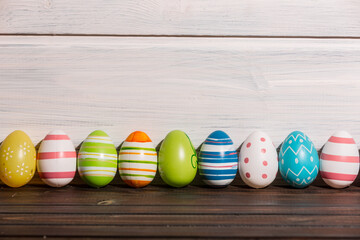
(298, 160)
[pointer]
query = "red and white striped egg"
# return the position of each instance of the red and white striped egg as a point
(339, 160)
(56, 159)
(258, 160)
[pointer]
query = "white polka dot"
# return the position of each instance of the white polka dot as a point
(296, 160)
(297, 179)
(311, 159)
(290, 141)
(308, 178)
(282, 161)
(301, 140)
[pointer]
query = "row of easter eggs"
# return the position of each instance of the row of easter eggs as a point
(218, 161)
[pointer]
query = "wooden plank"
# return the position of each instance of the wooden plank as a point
(171, 17)
(193, 212)
(272, 212)
(180, 231)
(76, 197)
(190, 220)
(198, 85)
(324, 210)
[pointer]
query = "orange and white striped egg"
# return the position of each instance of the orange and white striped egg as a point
(137, 160)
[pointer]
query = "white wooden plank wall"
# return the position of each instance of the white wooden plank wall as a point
(197, 66)
(182, 17)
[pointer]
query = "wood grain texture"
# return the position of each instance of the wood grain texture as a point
(195, 211)
(184, 231)
(182, 219)
(197, 85)
(173, 17)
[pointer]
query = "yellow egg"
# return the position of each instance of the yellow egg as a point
(17, 159)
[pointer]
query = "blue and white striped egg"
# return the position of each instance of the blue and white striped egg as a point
(218, 162)
(298, 160)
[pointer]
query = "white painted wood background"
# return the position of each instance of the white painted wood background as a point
(194, 65)
(182, 17)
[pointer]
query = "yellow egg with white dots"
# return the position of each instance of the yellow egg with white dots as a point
(17, 159)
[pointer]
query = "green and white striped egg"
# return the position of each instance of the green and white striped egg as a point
(97, 159)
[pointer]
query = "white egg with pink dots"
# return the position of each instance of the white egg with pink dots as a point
(258, 160)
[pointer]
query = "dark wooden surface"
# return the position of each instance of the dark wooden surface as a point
(196, 211)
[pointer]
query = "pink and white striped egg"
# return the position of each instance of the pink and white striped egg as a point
(258, 160)
(56, 159)
(339, 160)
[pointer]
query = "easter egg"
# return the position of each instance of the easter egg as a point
(258, 160)
(298, 160)
(137, 160)
(177, 159)
(97, 160)
(339, 160)
(56, 159)
(218, 160)
(17, 159)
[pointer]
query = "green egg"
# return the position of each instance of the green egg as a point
(97, 160)
(177, 159)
